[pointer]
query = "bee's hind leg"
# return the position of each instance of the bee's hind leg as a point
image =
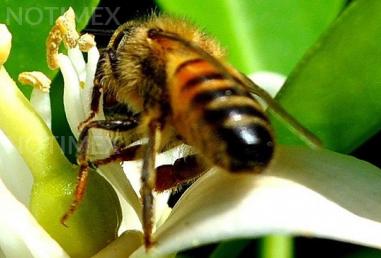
(183, 170)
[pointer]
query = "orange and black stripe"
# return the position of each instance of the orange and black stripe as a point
(229, 110)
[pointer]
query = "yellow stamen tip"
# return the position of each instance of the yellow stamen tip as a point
(64, 30)
(86, 42)
(36, 79)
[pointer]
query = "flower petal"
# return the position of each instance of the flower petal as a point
(305, 192)
(72, 98)
(76, 58)
(85, 73)
(91, 66)
(115, 175)
(40, 98)
(14, 173)
(269, 81)
(21, 235)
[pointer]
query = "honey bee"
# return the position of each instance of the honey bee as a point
(163, 79)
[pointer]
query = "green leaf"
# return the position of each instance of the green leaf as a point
(260, 35)
(30, 22)
(336, 89)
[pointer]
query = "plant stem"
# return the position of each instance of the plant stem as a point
(277, 246)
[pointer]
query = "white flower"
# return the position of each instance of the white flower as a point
(21, 235)
(303, 192)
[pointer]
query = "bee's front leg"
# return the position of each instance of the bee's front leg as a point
(83, 159)
(148, 178)
(100, 80)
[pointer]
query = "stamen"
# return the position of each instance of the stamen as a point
(86, 42)
(36, 79)
(66, 25)
(65, 31)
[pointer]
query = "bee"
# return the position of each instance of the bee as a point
(165, 80)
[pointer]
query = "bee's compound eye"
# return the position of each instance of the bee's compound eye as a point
(153, 33)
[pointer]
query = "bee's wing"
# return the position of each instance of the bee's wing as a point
(233, 74)
(302, 132)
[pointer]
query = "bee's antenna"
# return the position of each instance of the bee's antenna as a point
(98, 32)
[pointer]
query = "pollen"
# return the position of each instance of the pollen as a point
(86, 42)
(65, 31)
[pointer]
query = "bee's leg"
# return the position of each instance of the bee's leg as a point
(162, 178)
(167, 176)
(120, 155)
(148, 178)
(83, 160)
(183, 170)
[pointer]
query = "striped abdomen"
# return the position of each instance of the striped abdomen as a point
(219, 117)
